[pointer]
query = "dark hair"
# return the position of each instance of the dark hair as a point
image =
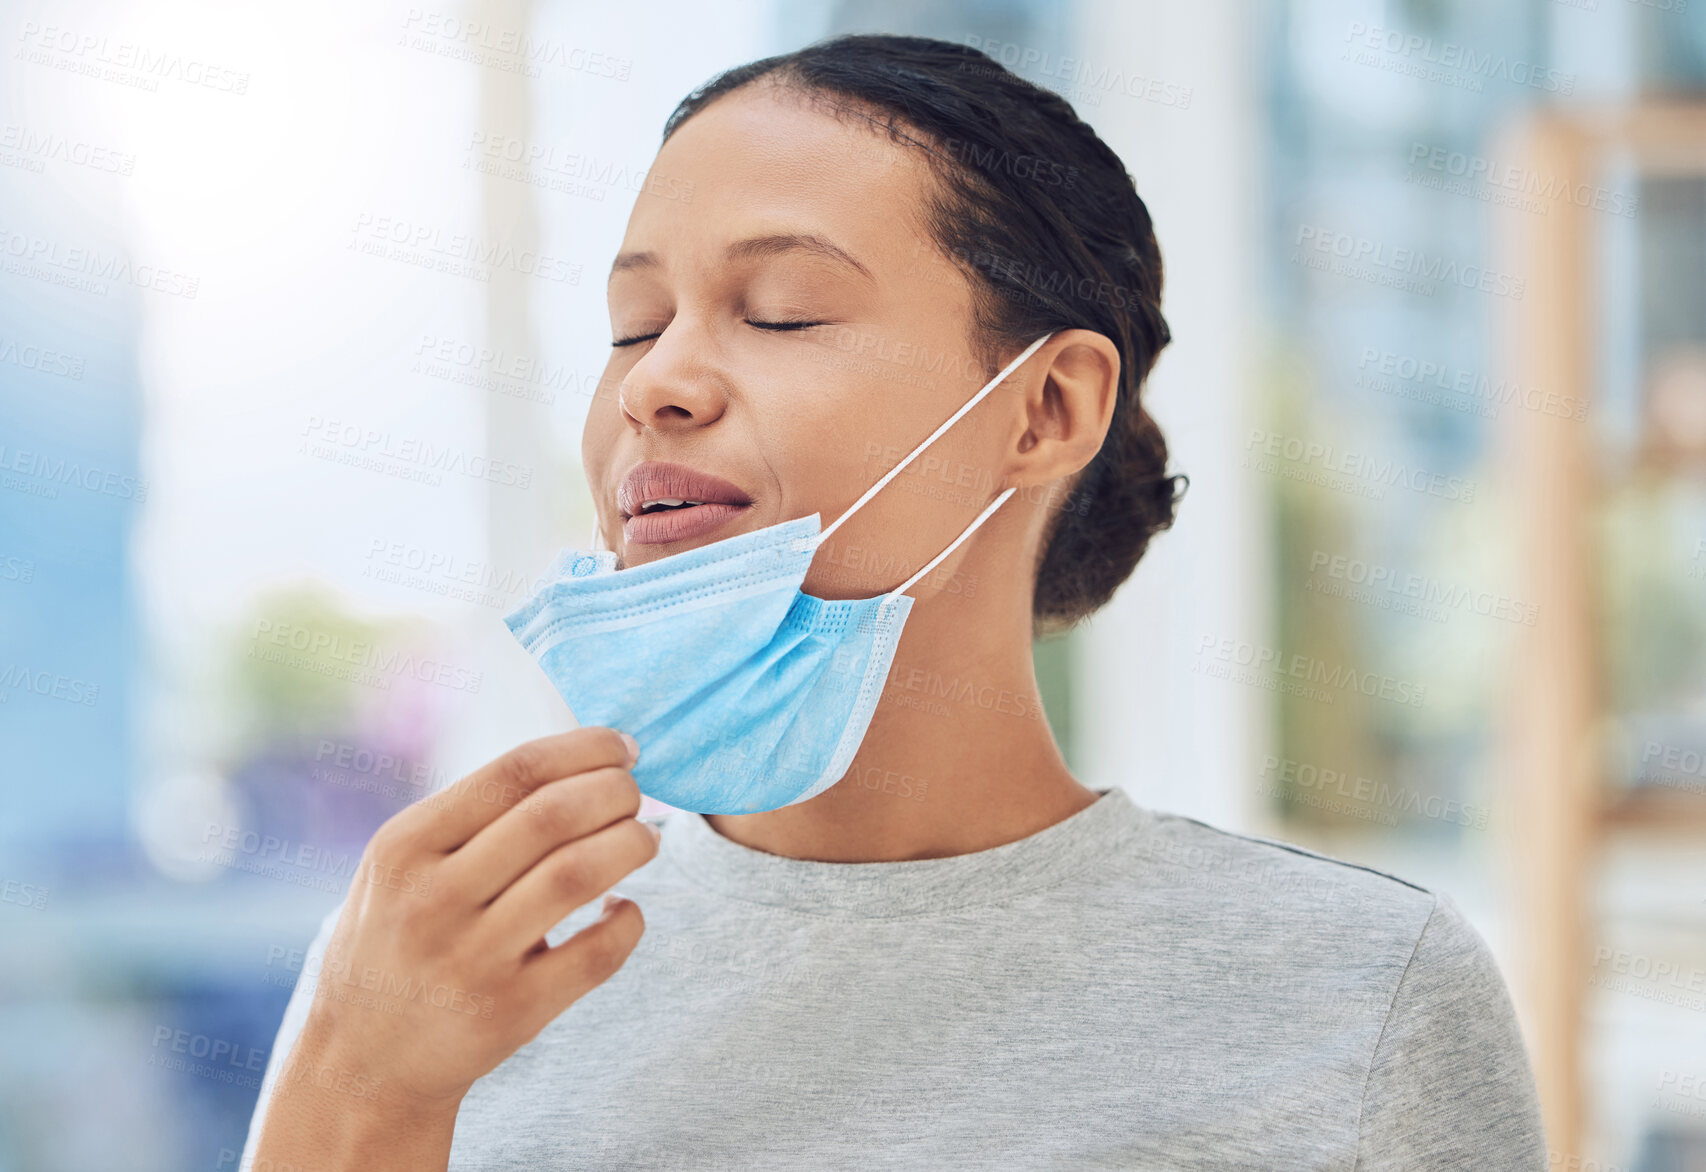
(1046, 223)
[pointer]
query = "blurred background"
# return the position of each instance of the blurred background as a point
(301, 309)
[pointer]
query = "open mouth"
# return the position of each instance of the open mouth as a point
(670, 519)
(661, 502)
(664, 503)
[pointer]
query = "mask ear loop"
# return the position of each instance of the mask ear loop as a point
(814, 542)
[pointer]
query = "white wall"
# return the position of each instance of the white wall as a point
(1176, 740)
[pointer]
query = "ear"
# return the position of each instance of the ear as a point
(1068, 402)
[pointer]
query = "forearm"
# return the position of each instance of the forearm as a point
(325, 1116)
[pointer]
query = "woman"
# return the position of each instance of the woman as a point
(958, 956)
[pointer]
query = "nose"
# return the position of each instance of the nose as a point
(671, 389)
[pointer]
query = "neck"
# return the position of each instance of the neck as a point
(958, 757)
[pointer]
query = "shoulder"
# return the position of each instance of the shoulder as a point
(1445, 1079)
(1309, 924)
(1249, 879)
(1250, 876)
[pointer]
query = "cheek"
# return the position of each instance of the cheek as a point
(866, 416)
(847, 441)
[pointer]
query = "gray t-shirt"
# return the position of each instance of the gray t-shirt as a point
(1123, 989)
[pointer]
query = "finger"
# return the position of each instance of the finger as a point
(568, 877)
(555, 978)
(558, 812)
(446, 820)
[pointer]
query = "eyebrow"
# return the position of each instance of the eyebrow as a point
(754, 247)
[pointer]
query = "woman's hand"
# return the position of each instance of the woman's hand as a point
(438, 968)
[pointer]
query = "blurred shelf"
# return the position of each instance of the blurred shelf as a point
(1653, 809)
(1554, 477)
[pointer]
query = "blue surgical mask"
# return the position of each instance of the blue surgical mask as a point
(744, 693)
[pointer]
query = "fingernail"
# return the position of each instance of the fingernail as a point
(633, 747)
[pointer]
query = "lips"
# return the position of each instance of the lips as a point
(707, 502)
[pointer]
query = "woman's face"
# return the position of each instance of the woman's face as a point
(793, 216)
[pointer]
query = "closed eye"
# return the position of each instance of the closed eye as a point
(784, 325)
(777, 326)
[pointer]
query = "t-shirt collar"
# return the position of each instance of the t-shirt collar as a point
(907, 887)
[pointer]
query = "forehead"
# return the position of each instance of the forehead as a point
(766, 156)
